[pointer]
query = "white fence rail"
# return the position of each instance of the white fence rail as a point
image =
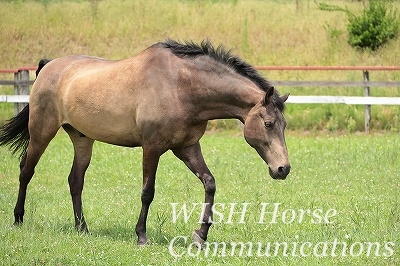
(14, 98)
(345, 100)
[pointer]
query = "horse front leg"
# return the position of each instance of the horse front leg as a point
(151, 157)
(193, 158)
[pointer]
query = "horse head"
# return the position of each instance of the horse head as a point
(264, 131)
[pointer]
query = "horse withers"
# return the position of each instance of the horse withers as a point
(160, 100)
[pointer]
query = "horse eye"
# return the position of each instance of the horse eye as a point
(268, 124)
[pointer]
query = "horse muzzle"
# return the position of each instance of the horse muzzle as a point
(279, 173)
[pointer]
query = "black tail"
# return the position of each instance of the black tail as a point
(42, 63)
(15, 133)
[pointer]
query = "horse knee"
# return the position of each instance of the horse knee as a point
(209, 184)
(147, 196)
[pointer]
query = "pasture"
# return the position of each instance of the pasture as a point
(354, 175)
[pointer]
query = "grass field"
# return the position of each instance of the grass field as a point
(261, 32)
(353, 179)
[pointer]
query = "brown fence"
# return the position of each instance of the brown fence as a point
(21, 83)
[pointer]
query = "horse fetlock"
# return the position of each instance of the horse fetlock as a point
(197, 239)
(142, 242)
(19, 216)
(18, 220)
(142, 239)
(81, 226)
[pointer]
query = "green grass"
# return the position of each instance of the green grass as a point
(357, 175)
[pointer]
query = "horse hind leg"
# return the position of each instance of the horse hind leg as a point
(38, 142)
(82, 154)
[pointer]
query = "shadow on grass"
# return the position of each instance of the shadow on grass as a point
(121, 233)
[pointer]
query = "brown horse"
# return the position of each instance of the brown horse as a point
(160, 99)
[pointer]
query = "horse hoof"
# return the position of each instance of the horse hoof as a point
(197, 239)
(82, 230)
(142, 243)
(19, 219)
(17, 223)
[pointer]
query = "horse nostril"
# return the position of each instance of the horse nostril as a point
(284, 170)
(281, 169)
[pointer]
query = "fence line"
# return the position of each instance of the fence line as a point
(367, 101)
(22, 82)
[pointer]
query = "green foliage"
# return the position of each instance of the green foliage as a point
(327, 7)
(333, 124)
(334, 33)
(374, 28)
(351, 125)
(395, 126)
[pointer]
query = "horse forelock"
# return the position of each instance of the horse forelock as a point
(222, 55)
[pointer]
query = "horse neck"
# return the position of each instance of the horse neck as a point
(224, 96)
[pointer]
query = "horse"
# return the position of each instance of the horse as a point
(159, 100)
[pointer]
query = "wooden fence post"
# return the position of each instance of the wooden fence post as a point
(367, 116)
(23, 88)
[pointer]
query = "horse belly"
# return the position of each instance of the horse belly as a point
(100, 122)
(112, 132)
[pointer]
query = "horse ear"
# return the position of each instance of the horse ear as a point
(268, 95)
(285, 97)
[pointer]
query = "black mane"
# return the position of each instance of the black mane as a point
(220, 54)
